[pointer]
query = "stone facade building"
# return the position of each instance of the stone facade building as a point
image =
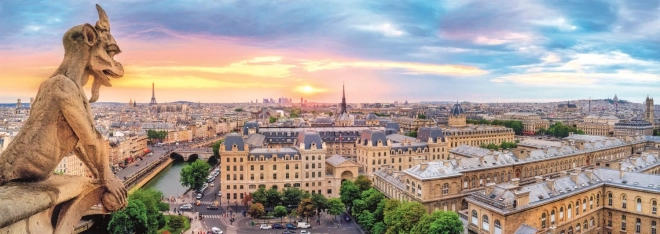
(598, 125)
(531, 122)
(633, 128)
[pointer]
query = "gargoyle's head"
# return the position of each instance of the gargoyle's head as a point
(96, 44)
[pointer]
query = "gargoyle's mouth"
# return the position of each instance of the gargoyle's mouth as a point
(111, 74)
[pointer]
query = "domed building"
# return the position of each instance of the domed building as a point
(372, 120)
(456, 116)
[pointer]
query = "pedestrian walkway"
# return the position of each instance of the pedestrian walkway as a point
(196, 225)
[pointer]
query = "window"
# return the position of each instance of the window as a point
(287, 175)
(261, 176)
(274, 167)
(261, 167)
(577, 228)
(623, 202)
(287, 167)
(591, 202)
(475, 218)
(228, 168)
(639, 204)
(235, 168)
(609, 219)
(577, 209)
(251, 176)
(274, 176)
(584, 225)
(597, 200)
(584, 205)
(228, 177)
(543, 221)
(570, 210)
(552, 218)
(654, 207)
(484, 223)
(653, 229)
(570, 230)
(623, 222)
(638, 225)
(609, 199)
(241, 175)
(241, 168)
(251, 167)
(296, 167)
(318, 174)
(561, 213)
(445, 188)
(498, 227)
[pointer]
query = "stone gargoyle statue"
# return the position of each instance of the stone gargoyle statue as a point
(61, 121)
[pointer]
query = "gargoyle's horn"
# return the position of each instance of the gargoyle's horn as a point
(103, 23)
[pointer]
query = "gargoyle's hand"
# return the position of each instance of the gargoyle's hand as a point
(117, 189)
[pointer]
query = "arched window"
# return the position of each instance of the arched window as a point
(484, 223)
(475, 218)
(591, 202)
(623, 202)
(623, 222)
(570, 230)
(609, 199)
(561, 213)
(584, 225)
(584, 205)
(498, 227)
(654, 207)
(639, 204)
(653, 229)
(570, 211)
(577, 209)
(638, 225)
(597, 200)
(445, 188)
(552, 218)
(577, 228)
(591, 222)
(543, 220)
(465, 182)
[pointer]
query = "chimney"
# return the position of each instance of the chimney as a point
(458, 160)
(522, 197)
(574, 177)
(388, 170)
(621, 173)
(577, 170)
(423, 166)
(515, 182)
(550, 183)
(538, 179)
(491, 152)
(564, 143)
(563, 173)
(496, 157)
(570, 133)
(489, 188)
(447, 163)
(589, 173)
(519, 153)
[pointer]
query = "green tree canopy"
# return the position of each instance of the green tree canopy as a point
(439, 222)
(306, 208)
(363, 183)
(256, 210)
(404, 217)
(335, 206)
(379, 228)
(280, 212)
(156, 135)
(412, 134)
(194, 175)
(358, 207)
(273, 198)
(320, 202)
(560, 130)
(238, 109)
(366, 220)
(216, 147)
(132, 219)
(372, 198)
(421, 116)
(513, 124)
(272, 119)
(348, 192)
(151, 198)
(291, 196)
(259, 196)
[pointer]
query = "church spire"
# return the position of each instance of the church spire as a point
(343, 99)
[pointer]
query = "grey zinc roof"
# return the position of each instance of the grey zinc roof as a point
(234, 139)
(423, 134)
(255, 140)
(335, 160)
(374, 136)
(433, 170)
(371, 116)
(457, 109)
(400, 138)
(395, 126)
(250, 125)
(308, 138)
(269, 153)
(524, 229)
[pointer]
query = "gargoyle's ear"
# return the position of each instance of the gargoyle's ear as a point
(91, 37)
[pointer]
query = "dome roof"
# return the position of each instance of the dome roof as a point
(372, 116)
(457, 110)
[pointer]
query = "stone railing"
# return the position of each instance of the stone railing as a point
(52, 206)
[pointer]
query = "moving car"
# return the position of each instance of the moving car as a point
(186, 207)
(212, 207)
(200, 195)
(219, 193)
(290, 226)
(216, 230)
(265, 227)
(304, 225)
(277, 226)
(305, 232)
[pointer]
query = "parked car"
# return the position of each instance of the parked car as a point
(212, 207)
(347, 218)
(186, 207)
(290, 226)
(219, 193)
(265, 227)
(200, 195)
(277, 226)
(305, 232)
(304, 225)
(216, 230)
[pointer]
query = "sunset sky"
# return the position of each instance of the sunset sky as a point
(238, 51)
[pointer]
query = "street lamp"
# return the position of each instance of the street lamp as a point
(236, 206)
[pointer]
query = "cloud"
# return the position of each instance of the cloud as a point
(386, 29)
(509, 37)
(559, 23)
(259, 66)
(568, 79)
(551, 58)
(410, 68)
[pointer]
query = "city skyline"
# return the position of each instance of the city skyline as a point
(223, 52)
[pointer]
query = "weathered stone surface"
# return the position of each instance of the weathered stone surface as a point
(61, 122)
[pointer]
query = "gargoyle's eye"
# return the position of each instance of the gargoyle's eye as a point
(111, 53)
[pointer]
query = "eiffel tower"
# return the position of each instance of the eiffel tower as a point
(153, 95)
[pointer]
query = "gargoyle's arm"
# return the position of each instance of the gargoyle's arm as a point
(90, 147)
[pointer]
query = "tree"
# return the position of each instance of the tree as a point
(335, 207)
(404, 217)
(246, 199)
(367, 220)
(379, 228)
(358, 206)
(133, 219)
(363, 183)
(239, 110)
(291, 197)
(151, 198)
(439, 222)
(273, 198)
(256, 210)
(372, 198)
(330, 113)
(176, 221)
(156, 135)
(348, 192)
(508, 145)
(320, 202)
(412, 134)
(194, 175)
(259, 196)
(272, 119)
(216, 147)
(280, 212)
(421, 116)
(306, 208)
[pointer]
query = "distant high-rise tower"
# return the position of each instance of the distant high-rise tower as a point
(589, 110)
(18, 103)
(343, 100)
(616, 104)
(153, 95)
(648, 115)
